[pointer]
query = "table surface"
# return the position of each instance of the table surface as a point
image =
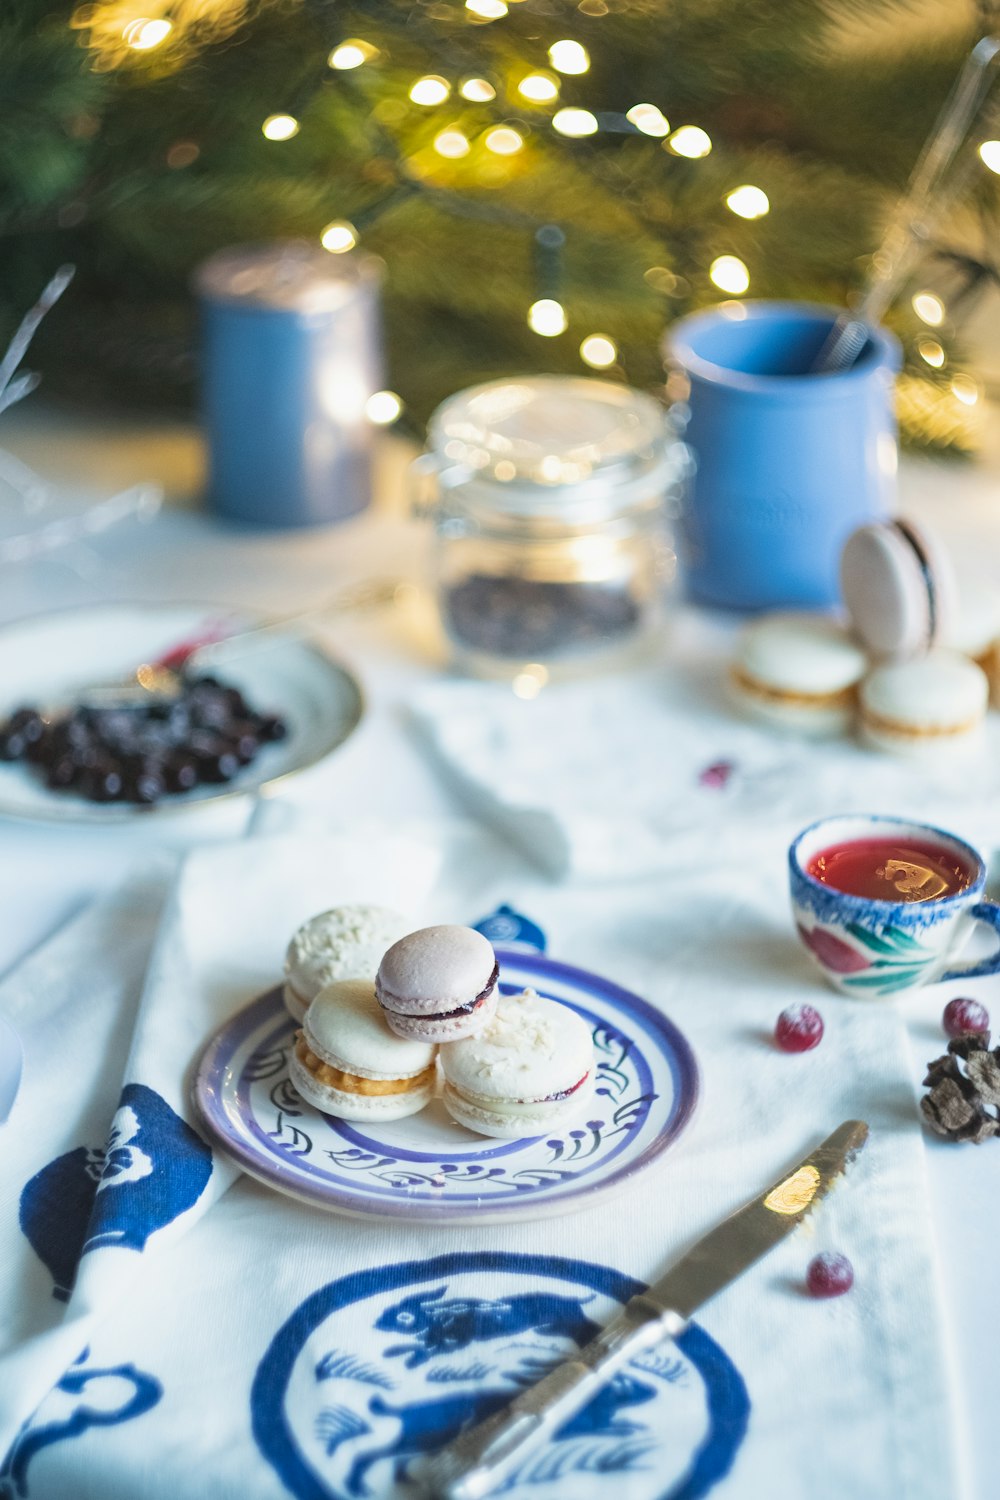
(46, 873)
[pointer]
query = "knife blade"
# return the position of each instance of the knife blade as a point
(479, 1458)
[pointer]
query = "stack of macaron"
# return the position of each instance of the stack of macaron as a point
(907, 667)
(370, 1041)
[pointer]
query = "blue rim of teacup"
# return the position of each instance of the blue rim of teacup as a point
(888, 911)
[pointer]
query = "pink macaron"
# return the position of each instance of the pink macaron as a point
(898, 587)
(438, 984)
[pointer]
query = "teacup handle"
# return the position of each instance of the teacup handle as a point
(988, 912)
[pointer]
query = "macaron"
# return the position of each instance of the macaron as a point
(345, 943)
(975, 624)
(898, 587)
(925, 705)
(798, 672)
(528, 1071)
(438, 984)
(348, 1063)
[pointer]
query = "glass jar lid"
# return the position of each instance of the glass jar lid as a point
(548, 445)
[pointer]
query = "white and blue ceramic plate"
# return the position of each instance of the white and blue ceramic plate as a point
(427, 1166)
(51, 658)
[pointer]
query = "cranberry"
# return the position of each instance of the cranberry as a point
(961, 1016)
(799, 1029)
(829, 1275)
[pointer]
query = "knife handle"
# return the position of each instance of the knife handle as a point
(478, 1459)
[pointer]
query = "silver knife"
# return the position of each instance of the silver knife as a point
(478, 1459)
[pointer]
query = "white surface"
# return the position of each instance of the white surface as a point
(46, 874)
(869, 1365)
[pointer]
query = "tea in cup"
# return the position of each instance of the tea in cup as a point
(884, 904)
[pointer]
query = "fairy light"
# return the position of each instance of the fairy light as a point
(530, 680)
(351, 54)
(598, 351)
(748, 202)
(477, 90)
(280, 127)
(540, 88)
(930, 351)
(929, 308)
(383, 408)
(990, 153)
(691, 141)
(729, 274)
(143, 34)
(338, 237)
(965, 389)
(486, 10)
(504, 140)
(547, 317)
(451, 143)
(574, 122)
(430, 90)
(569, 57)
(648, 119)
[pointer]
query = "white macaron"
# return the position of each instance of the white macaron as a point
(922, 706)
(345, 943)
(530, 1069)
(798, 672)
(348, 1063)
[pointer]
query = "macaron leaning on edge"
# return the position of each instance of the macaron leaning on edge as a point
(530, 1069)
(921, 707)
(438, 984)
(898, 587)
(798, 672)
(344, 943)
(348, 1063)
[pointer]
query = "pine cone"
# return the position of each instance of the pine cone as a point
(964, 1105)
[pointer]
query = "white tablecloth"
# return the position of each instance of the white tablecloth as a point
(46, 872)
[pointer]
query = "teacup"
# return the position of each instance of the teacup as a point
(868, 946)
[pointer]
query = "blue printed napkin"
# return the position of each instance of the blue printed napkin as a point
(274, 1349)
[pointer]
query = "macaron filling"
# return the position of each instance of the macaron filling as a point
(490, 1102)
(441, 1015)
(839, 697)
(923, 563)
(354, 1083)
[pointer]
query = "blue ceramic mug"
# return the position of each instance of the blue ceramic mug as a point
(786, 463)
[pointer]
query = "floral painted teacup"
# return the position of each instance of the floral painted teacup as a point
(871, 947)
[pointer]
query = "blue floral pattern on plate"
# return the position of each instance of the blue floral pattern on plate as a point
(428, 1167)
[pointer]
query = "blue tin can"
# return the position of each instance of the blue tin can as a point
(786, 463)
(291, 355)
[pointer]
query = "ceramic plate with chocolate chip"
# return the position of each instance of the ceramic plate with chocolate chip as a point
(228, 723)
(427, 1166)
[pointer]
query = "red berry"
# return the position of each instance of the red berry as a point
(961, 1016)
(829, 1275)
(799, 1028)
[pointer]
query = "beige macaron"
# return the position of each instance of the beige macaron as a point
(920, 707)
(799, 673)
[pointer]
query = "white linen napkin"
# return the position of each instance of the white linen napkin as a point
(614, 777)
(278, 1349)
(111, 1167)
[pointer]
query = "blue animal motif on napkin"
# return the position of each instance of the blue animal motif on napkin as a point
(85, 1397)
(388, 1364)
(152, 1169)
(507, 928)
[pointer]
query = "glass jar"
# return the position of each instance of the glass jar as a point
(550, 496)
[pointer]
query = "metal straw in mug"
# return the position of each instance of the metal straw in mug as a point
(918, 211)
